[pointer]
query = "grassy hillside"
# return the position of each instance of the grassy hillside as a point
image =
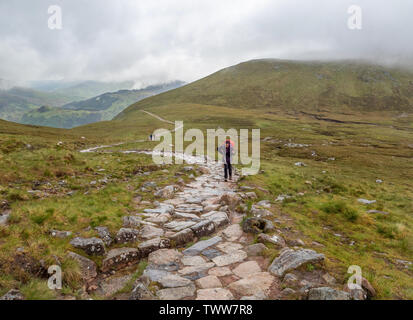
(289, 86)
(350, 151)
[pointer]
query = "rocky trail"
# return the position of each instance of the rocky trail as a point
(199, 244)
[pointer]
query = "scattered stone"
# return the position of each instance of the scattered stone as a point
(282, 197)
(167, 192)
(260, 212)
(164, 256)
(13, 294)
(220, 271)
(149, 184)
(277, 240)
(120, 258)
(255, 249)
(200, 246)
(251, 195)
(246, 268)
(4, 218)
(196, 269)
(131, 221)
(87, 266)
(104, 234)
(214, 294)
(365, 201)
(176, 293)
(92, 246)
(174, 281)
(233, 232)
(218, 218)
(326, 293)
(257, 225)
(208, 282)
(141, 291)
(264, 203)
(231, 200)
(203, 228)
(149, 232)
(377, 212)
(253, 284)
(60, 234)
(192, 260)
(182, 237)
(329, 279)
(146, 247)
(211, 253)
(112, 285)
(125, 235)
(228, 247)
(379, 181)
(230, 258)
(179, 225)
(292, 259)
(295, 243)
(300, 164)
(188, 168)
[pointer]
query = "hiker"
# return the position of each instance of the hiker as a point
(227, 151)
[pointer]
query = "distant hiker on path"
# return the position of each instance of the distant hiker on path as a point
(227, 151)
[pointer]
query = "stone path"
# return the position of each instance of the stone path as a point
(196, 248)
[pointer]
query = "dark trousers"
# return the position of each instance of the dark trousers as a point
(227, 170)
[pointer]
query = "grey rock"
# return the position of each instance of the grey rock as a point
(182, 237)
(211, 253)
(255, 249)
(4, 218)
(119, 258)
(149, 184)
(218, 218)
(203, 228)
(276, 240)
(166, 192)
(141, 291)
(257, 225)
(149, 232)
(13, 294)
(174, 281)
(176, 293)
(146, 247)
(126, 235)
(365, 201)
(104, 234)
(92, 246)
(200, 246)
(60, 234)
(176, 225)
(87, 267)
(131, 221)
(326, 293)
(291, 259)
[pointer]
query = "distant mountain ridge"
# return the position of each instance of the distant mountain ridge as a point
(284, 85)
(100, 108)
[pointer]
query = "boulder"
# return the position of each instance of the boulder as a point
(60, 234)
(126, 235)
(92, 246)
(87, 267)
(232, 200)
(120, 258)
(149, 232)
(13, 294)
(255, 249)
(326, 293)
(198, 247)
(276, 240)
(145, 248)
(230, 258)
(203, 228)
(257, 225)
(290, 259)
(182, 237)
(214, 294)
(253, 284)
(131, 221)
(104, 234)
(208, 282)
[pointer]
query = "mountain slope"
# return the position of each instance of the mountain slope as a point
(100, 108)
(303, 86)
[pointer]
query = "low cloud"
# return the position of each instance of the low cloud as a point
(156, 41)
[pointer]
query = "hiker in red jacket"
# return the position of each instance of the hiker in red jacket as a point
(227, 151)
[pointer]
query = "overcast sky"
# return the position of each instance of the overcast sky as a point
(160, 40)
